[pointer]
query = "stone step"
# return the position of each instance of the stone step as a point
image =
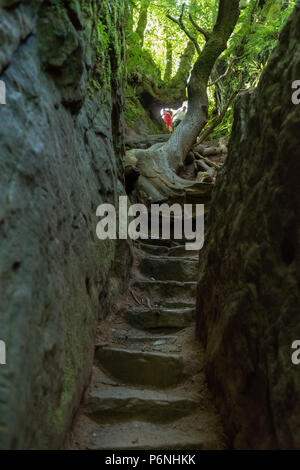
(157, 290)
(171, 269)
(148, 319)
(169, 243)
(137, 435)
(110, 403)
(175, 251)
(155, 250)
(178, 304)
(140, 368)
(139, 338)
(181, 251)
(154, 242)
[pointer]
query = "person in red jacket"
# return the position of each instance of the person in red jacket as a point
(167, 117)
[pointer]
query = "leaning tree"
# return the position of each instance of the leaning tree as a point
(158, 166)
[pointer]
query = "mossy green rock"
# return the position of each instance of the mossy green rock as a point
(248, 291)
(60, 157)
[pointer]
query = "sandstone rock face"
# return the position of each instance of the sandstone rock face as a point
(60, 157)
(248, 291)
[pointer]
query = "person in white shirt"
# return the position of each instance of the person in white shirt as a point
(179, 116)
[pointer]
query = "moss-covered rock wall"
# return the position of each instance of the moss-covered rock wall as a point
(61, 150)
(248, 291)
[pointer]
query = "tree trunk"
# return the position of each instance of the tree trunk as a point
(143, 20)
(159, 166)
(169, 61)
(219, 119)
(176, 88)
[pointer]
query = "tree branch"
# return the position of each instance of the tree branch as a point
(198, 28)
(226, 72)
(143, 20)
(219, 78)
(218, 121)
(181, 25)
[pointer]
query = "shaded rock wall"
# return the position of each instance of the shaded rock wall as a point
(60, 157)
(248, 291)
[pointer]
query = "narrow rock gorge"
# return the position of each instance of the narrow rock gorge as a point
(139, 344)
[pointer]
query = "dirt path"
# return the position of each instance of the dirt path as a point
(148, 389)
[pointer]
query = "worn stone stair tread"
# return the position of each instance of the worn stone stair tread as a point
(141, 368)
(165, 283)
(174, 289)
(170, 259)
(178, 304)
(180, 251)
(154, 249)
(108, 402)
(175, 251)
(159, 317)
(171, 268)
(133, 338)
(138, 435)
(157, 242)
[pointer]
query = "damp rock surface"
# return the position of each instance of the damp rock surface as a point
(60, 157)
(248, 283)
